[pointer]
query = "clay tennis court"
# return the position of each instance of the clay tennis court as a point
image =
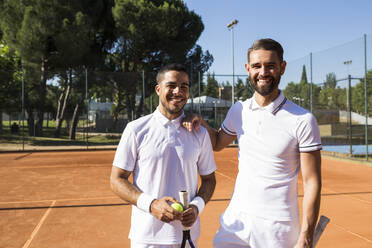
(63, 199)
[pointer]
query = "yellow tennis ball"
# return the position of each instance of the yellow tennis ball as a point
(178, 207)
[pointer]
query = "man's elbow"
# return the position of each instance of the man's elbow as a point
(113, 183)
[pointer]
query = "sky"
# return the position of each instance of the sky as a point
(326, 28)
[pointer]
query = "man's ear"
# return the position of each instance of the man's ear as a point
(282, 67)
(247, 67)
(157, 89)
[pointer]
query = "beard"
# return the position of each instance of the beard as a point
(268, 88)
(170, 108)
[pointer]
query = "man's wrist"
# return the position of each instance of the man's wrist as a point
(199, 203)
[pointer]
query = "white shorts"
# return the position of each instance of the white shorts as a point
(239, 229)
(134, 244)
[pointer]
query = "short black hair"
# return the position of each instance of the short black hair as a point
(170, 67)
(269, 45)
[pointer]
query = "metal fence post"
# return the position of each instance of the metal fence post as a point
(23, 109)
(311, 82)
(349, 114)
(86, 100)
(365, 94)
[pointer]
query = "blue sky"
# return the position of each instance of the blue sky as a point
(300, 26)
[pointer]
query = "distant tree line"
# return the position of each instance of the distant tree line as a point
(115, 41)
(328, 95)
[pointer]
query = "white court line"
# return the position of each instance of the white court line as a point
(37, 228)
(221, 174)
(353, 233)
(73, 199)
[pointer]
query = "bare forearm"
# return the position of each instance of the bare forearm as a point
(311, 205)
(207, 188)
(312, 182)
(125, 190)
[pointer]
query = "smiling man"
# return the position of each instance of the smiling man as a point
(164, 159)
(277, 140)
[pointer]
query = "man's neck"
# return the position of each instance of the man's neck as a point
(266, 100)
(170, 116)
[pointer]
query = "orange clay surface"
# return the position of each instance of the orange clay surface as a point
(63, 199)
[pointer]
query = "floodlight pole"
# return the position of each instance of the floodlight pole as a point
(347, 63)
(230, 26)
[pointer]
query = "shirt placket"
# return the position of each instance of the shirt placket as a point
(260, 122)
(171, 133)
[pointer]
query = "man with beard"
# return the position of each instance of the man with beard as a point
(276, 140)
(164, 159)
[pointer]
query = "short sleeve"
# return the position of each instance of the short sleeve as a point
(233, 118)
(126, 152)
(206, 163)
(308, 134)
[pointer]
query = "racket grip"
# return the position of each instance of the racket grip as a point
(184, 199)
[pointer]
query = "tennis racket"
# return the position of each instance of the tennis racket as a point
(319, 229)
(186, 237)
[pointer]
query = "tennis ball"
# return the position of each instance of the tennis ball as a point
(178, 207)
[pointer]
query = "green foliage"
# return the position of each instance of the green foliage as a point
(153, 30)
(357, 95)
(243, 90)
(303, 75)
(60, 40)
(211, 88)
(331, 81)
(332, 98)
(10, 80)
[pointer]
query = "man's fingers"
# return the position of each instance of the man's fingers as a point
(189, 217)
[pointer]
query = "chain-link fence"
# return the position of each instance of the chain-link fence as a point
(91, 108)
(335, 85)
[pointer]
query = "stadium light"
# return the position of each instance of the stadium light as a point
(230, 26)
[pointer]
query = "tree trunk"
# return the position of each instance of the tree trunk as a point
(62, 105)
(117, 111)
(30, 117)
(75, 119)
(41, 104)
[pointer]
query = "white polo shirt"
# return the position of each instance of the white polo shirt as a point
(165, 158)
(271, 139)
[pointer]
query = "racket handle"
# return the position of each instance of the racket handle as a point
(184, 199)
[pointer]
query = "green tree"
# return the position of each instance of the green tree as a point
(54, 35)
(357, 95)
(303, 75)
(10, 81)
(331, 81)
(198, 62)
(151, 34)
(211, 89)
(243, 90)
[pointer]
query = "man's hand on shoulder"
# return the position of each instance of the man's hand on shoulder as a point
(191, 121)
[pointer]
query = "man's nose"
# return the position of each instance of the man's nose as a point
(176, 90)
(264, 71)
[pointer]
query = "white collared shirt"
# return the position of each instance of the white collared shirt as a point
(270, 141)
(165, 158)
